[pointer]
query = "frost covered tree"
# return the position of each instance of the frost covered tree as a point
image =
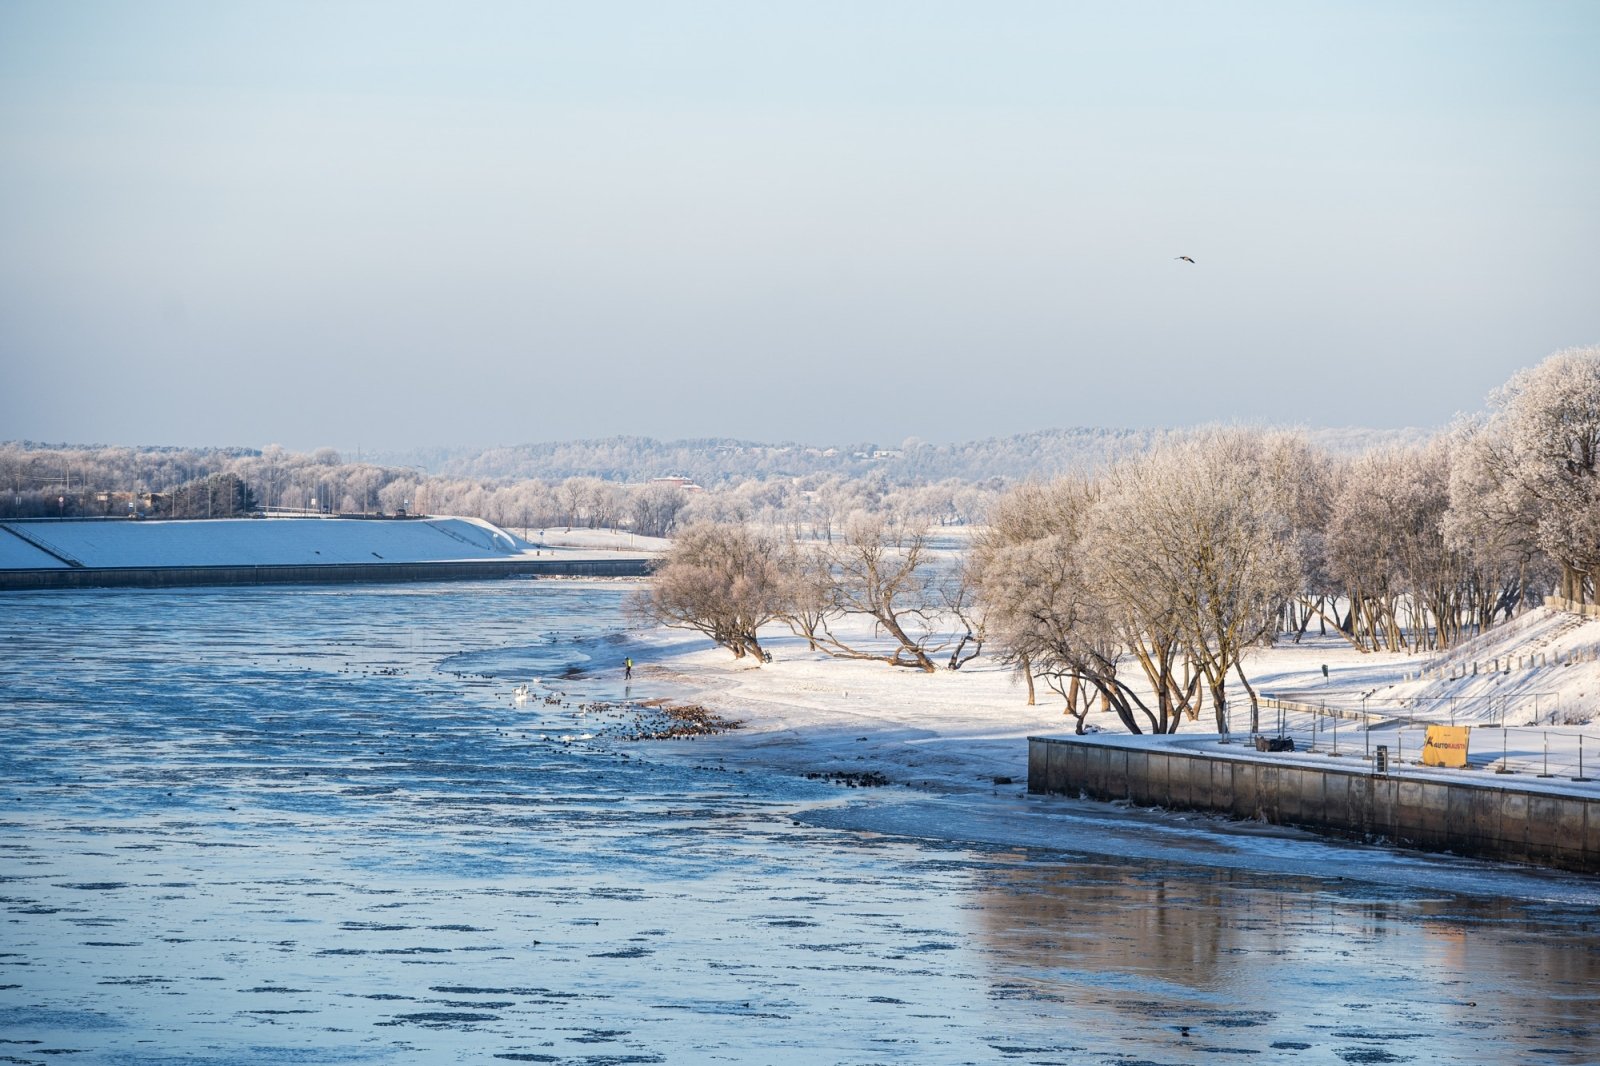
(809, 603)
(1363, 535)
(724, 581)
(958, 601)
(1198, 556)
(214, 496)
(1535, 466)
(579, 499)
(655, 509)
(1303, 481)
(1177, 562)
(883, 571)
(1493, 530)
(1032, 571)
(1404, 581)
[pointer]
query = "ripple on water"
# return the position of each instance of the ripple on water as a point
(304, 763)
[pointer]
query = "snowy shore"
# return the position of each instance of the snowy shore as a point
(959, 730)
(966, 731)
(952, 750)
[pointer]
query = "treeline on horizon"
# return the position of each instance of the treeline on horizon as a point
(596, 483)
(716, 462)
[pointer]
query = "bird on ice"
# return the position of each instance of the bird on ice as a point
(1185, 258)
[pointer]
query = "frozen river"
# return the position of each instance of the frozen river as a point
(301, 826)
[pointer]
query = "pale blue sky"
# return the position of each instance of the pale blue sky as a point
(398, 225)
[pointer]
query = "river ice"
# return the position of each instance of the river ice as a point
(317, 825)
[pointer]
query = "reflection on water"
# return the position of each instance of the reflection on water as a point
(1217, 960)
(322, 825)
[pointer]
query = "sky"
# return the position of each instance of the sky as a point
(393, 225)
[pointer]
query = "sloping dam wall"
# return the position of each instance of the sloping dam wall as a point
(318, 574)
(1487, 821)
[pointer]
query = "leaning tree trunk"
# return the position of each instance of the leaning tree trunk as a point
(1255, 704)
(919, 657)
(752, 647)
(1124, 712)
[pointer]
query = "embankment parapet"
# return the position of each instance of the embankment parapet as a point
(1485, 821)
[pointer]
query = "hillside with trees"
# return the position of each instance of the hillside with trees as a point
(615, 483)
(715, 462)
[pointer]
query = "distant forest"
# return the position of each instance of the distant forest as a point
(597, 483)
(713, 462)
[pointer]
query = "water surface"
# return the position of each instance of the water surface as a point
(318, 825)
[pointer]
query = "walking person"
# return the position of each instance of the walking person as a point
(627, 668)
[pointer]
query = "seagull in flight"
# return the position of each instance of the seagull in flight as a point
(1185, 258)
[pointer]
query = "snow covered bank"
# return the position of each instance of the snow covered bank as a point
(950, 731)
(1538, 669)
(965, 732)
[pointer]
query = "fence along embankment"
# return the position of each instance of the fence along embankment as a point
(1587, 610)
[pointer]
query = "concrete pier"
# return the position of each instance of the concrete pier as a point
(1542, 827)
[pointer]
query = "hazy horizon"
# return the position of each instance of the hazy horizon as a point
(1071, 447)
(397, 228)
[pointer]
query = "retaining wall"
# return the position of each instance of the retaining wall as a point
(1486, 821)
(327, 573)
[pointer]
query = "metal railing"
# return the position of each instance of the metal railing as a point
(1541, 708)
(1541, 752)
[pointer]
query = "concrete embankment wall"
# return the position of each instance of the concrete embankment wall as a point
(324, 574)
(1468, 819)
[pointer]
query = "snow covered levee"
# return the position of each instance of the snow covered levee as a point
(143, 553)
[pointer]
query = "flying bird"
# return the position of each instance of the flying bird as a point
(1185, 258)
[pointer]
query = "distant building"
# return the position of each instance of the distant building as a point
(686, 484)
